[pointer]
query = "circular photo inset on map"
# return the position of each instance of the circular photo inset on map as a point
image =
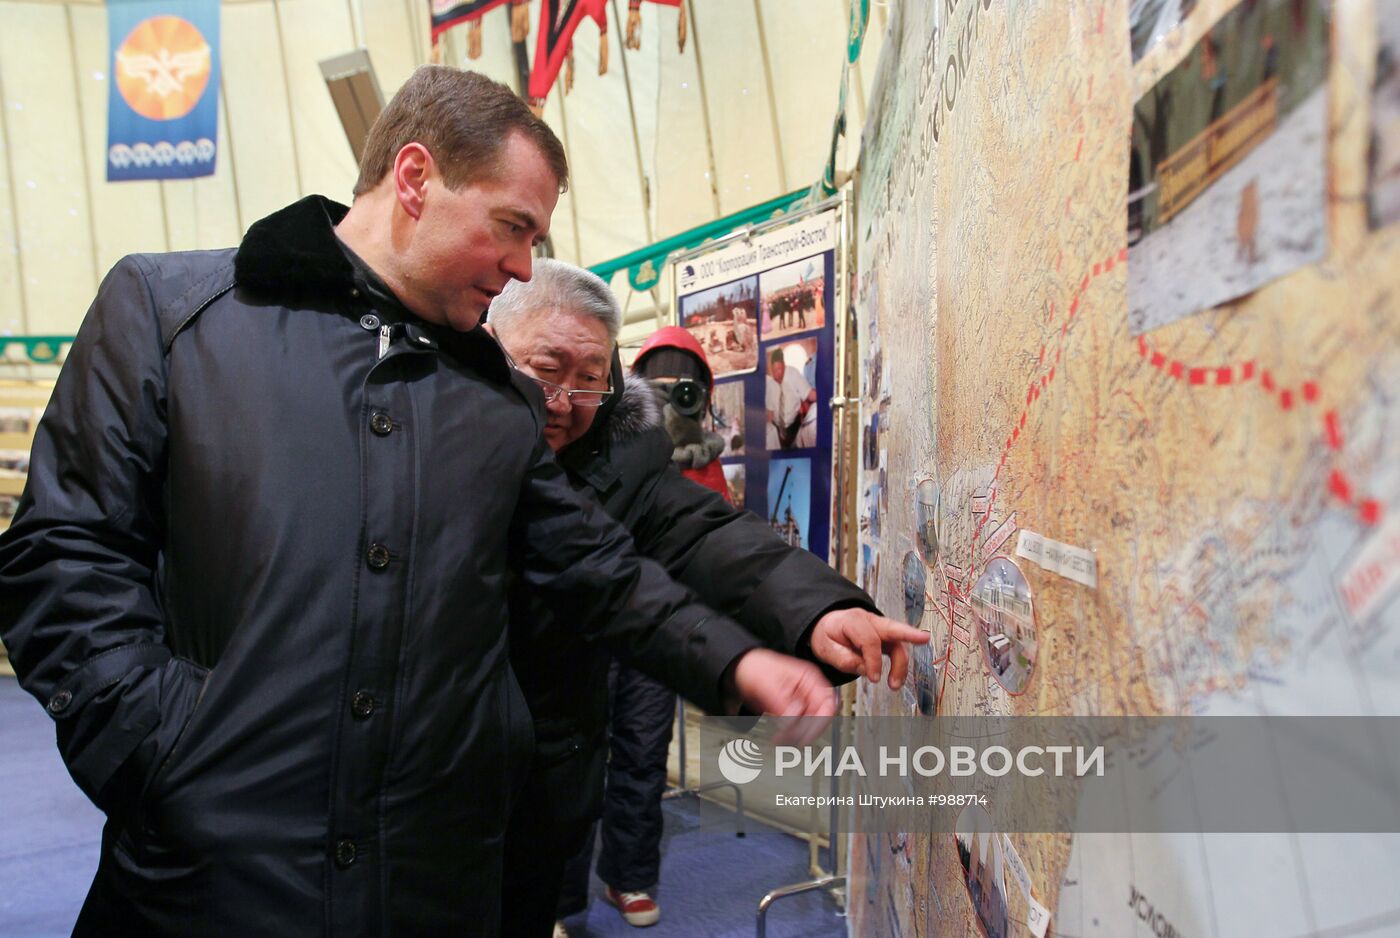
(1001, 601)
(927, 502)
(983, 865)
(921, 689)
(915, 579)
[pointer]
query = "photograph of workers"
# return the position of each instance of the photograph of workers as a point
(794, 297)
(724, 320)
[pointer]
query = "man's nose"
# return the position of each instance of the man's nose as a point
(518, 263)
(560, 405)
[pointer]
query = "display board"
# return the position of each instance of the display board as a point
(1156, 507)
(762, 306)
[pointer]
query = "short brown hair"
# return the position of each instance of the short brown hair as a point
(463, 118)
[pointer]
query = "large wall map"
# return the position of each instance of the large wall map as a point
(1202, 517)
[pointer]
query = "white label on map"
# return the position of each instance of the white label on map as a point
(1373, 575)
(1000, 536)
(1037, 918)
(1070, 562)
(1014, 864)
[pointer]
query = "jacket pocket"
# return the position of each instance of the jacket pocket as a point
(182, 688)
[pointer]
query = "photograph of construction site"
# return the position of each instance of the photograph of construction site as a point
(1001, 601)
(1227, 182)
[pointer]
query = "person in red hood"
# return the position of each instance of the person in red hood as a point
(677, 368)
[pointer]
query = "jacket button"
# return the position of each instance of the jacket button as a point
(60, 701)
(369, 322)
(344, 853)
(381, 423)
(377, 556)
(362, 704)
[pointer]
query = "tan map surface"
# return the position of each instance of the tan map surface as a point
(1231, 472)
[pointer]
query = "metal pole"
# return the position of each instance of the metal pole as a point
(232, 164)
(636, 134)
(14, 212)
(772, 100)
(287, 93)
(637, 142)
(782, 892)
(83, 147)
(573, 200)
(704, 107)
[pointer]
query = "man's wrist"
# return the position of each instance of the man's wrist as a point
(730, 698)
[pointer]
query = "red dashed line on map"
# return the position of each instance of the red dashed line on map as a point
(1309, 393)
(1037, 386)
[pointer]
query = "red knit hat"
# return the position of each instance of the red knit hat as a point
(675, 337)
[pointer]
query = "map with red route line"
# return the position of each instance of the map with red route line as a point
(1235, 475)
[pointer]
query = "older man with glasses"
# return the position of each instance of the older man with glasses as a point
(561, 330)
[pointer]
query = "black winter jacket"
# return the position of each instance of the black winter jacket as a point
(258, 579)
(730, 557)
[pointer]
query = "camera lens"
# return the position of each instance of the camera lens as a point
(687, 397)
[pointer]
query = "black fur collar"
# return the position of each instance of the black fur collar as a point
(637, 410)
(294, 251)
(294, 254)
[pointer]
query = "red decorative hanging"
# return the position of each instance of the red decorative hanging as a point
(558, 20)
(445, 14)
(634, 22)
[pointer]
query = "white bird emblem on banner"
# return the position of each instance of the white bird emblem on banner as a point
(163, 73)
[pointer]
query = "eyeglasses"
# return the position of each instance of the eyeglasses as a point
(577, 397)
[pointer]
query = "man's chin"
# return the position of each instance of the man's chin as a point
(556, 439)
(466, 318)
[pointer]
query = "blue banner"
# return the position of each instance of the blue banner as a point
(163, 103)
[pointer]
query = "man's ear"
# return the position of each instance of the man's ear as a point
(412, 167)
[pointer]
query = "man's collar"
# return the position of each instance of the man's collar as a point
(295, 254)
(295, 251)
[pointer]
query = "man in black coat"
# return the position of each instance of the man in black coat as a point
(561, 329)
(258, 574)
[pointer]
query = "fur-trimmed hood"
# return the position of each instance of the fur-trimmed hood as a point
(637, 410)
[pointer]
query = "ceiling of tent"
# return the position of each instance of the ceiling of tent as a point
(665, 141)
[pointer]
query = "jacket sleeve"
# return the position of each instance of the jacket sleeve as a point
(737, 564)
(570, 551)
(78, 609)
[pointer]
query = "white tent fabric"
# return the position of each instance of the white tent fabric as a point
(669, 141)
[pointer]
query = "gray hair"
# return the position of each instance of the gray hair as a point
(557, 285)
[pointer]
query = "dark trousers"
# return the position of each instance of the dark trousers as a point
(639, 738)
(550, 835)
(551, 822)
(537, 857)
